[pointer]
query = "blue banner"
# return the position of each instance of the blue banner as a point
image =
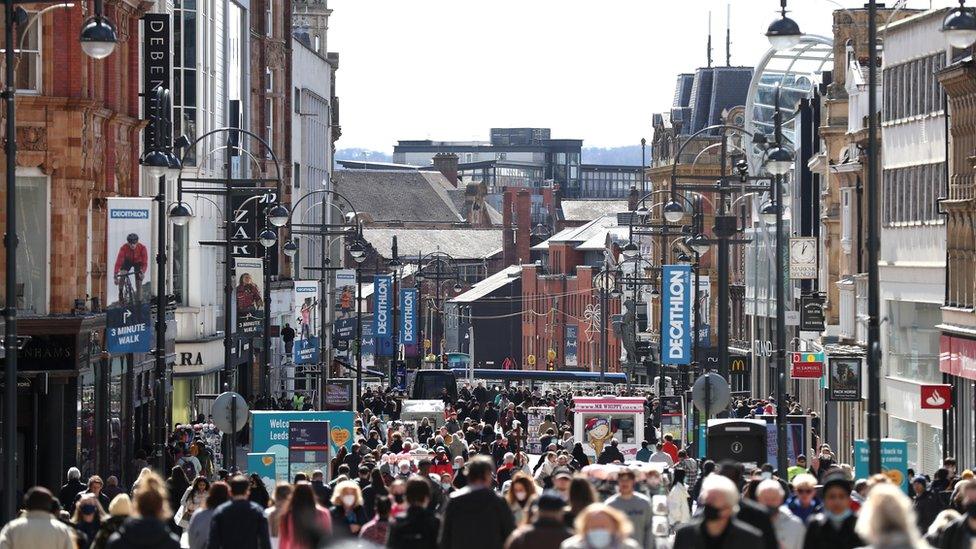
(408, 316)
(306, 351)
(676, 320)
(383, 314)
(400, 377)
(894, 460)
(264, 466)
(129, 328)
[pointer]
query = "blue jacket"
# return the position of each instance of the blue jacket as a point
(239, 524)
(644, 454)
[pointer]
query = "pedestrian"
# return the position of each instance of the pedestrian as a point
(600, 526)
(279, 504)
(788, 527)
(635, 506)
(375, 488)
(679, 508)
(798, 468)
(147, 529)
(36, 527)
(87, 519)
(579, 456)
(749, 511)
(610, 454)
(378, 528)
(239, 523)
(348, 515)
(94, 487)
(176, 486)
(71, 489)
(561, 479)
(419, 526)
(306, 524)
(804, 504)
(192, 500)
(660, 456)
(887, 520)
(475, 517)
(118, 511)
(546, 530)
(198, 530)
(581, 495)
(644, 454)
(925, 502)
(718, 527)
(938, 526)
(520, 496)
(111, 488)
(670, 447)
(323, 494)
(689, 465)
(833, 527)
(959, 533)
(259, 493)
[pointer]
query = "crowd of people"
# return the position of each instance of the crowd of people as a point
(466, 481)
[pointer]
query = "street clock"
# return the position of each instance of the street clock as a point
(803, 257)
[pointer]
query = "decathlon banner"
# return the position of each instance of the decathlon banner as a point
(676, 319)
(383, 314)
(306, 345)
(408, 316)
(129, 289)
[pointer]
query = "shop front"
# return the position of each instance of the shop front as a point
(957, 361)
(196, 372)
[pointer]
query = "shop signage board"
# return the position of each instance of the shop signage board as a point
(936, 397)
(677, 318)
(309, 447)
(383, 314)
(806, 365)
(269, 433)
(844, 375)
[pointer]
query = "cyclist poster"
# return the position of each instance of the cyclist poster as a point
(250, 295)
(128, 291)
(306, 308)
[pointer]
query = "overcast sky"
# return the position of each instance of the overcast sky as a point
(596, 70)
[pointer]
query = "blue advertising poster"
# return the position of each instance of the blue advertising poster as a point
(306, 350)
(129, 289)
(383, 315)
(572, 346)
(894, 460)
(269, 433)
(129, 328)
(264, 465)
(408, 316)
(345, 328)
(400, 379)
(676, 322)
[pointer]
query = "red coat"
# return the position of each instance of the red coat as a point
(127, 257)
(672, 450)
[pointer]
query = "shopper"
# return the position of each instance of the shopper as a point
(636, 507)
(833, 527)
(476, 517)
(718, 527)
(198, 530)
(547, 530)
(239, 523)
(419, 526)
(788, 527)
(600, 526)
(37, 527)
(305, 524)
(148, 529)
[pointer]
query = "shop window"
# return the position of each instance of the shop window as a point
(32, 250)
(27, 70)
(86, 424)
(181, 258)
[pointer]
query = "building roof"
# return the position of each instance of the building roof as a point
(372, 165)
(459, 243)
(484, 287)
(388, 195)
(599, 239)
(580, 235)
(588, 210)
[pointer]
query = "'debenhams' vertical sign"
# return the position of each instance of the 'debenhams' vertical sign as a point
(676, 315)
(156, 45)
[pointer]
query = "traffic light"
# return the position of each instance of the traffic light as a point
(551, 365)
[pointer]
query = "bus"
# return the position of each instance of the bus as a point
(429, 384)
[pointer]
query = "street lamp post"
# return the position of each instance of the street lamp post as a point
(98, 39)
(445, 268)
(358, 252)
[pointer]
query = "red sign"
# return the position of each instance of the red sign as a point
(957, 356)
(936, 397)
(807, 370)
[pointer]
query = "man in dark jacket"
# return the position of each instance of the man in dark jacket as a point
(926, 503)
(71, 489)
(610, 454)
(834, 527)
(239, 523)
(323, 493)
(476, 517)
(418, 527)
(750, 512)
(961, 532)
(547, 531)
(717, 526)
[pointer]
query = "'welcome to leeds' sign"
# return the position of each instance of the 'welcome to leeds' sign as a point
(676, 320)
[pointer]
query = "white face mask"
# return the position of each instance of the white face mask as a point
(521, 496)
(599, 538)
(348, 500)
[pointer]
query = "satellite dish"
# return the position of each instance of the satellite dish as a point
(229, 412)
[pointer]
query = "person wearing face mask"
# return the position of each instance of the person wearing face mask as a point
(961, 533)
(418, 527)
(87, 519)
(600, 526)
(717, 527)
(748, 511)
(348, 515)
(637, 507)
(520, 496)
(789, 529)
(547, 530)
(833, 528)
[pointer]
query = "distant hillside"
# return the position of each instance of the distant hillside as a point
(357, 154)
(626, 156)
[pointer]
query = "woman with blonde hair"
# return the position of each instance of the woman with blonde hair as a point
(148, 528)
(348, 515)
(600, 526)
(118, 511)
(521, 494)
(887, 520)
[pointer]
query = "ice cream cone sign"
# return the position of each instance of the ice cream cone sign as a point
(936, 397)
(598, 432)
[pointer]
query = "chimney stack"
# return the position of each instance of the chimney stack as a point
(447, 164)
(523, 220)
(508, 232)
